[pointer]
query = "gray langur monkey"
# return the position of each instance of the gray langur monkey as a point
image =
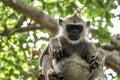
(71, 55)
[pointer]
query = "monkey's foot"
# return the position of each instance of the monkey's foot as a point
(52, 74)
(98, 79)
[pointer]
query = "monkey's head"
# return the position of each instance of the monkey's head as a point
(74, 28)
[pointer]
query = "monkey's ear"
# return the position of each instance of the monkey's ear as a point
(60, 21)
(88, 23)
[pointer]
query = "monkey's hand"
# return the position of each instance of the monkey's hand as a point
(98, 60)
(56, 49)
(94, 62)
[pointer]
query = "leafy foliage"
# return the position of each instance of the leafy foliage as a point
(16, 48)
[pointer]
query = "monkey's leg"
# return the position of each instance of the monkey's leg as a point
(92, 57)
(97, 74)
(48, 71)
(46, 64)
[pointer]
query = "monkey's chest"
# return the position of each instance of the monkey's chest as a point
(74, 68)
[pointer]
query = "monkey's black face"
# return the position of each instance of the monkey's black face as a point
(74, 31)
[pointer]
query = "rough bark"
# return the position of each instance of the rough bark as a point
(112, 52)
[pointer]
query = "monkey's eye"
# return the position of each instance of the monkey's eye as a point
(74, 26)
(80, 27)
(68, 25)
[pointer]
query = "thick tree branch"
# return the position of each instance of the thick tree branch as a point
(113, 60)
(112, 52)
(31, 12)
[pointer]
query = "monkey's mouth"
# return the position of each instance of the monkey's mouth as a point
(74, 37)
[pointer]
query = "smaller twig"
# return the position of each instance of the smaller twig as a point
(20, 22)
(34, 53)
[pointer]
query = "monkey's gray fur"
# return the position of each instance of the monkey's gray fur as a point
(71, 56)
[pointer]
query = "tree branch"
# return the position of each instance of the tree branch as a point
(21, 29)
(113, 60)
(31, 12)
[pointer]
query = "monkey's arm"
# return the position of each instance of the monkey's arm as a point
(95, 58)
(52, 47)
(47, 66)
(92, 48)
(98, 73)
(98, 63)
(56, 48)
(47, 57)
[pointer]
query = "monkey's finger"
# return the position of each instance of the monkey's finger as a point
(61, 48)
(96, 65)
(56, 56)
(92, 59)
(61, 54)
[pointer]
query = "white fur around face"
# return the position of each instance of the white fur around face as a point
(63, 33)
(74, 19)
